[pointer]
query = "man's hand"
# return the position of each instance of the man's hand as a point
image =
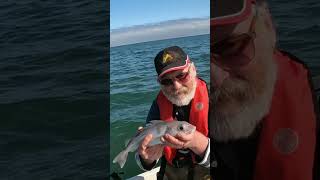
(149, 154)
(196, 141)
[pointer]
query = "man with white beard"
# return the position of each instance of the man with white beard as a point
(262, 115)
(183, 97)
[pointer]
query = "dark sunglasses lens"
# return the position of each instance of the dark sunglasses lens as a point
(231, 46)
(182, 76)
(166, 82)
(235, 52)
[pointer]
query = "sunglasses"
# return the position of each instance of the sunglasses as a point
(235, 51)
(182, 77)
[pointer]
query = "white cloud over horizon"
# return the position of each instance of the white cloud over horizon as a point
(159, 31)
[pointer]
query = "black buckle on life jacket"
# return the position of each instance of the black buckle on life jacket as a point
(181, 162)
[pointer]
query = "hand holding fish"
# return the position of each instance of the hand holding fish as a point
(152, 153)
(195, 141)
(149, 140)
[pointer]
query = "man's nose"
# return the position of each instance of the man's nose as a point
(217, 75)
(176, 84)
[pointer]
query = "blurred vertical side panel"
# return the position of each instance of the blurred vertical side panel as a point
(265, 89)
(54, 87)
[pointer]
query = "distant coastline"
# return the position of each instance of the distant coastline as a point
(160, 40)
(159, 31)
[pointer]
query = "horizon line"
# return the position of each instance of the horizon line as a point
(159, 40)
(156, 23)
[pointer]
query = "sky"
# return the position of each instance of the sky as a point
(133, 21)
(124, 13)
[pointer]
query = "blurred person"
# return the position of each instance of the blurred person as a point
(263, 122)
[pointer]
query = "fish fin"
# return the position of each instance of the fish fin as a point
(136, 135)
(121, 158)
(127, 142)
(153, 122)
(155, 141)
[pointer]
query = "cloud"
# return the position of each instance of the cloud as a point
(157, 31)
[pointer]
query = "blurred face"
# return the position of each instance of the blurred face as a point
(243, 74)
(179, 86)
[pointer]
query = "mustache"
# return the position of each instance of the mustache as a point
(231, 90)
(179, 91)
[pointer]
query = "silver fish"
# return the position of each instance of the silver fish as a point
(157, 128)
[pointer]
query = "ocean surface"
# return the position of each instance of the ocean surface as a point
(54, 84)
(53, 90)
(298, 29)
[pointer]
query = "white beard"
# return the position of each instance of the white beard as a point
(225, 127)
(185, 99)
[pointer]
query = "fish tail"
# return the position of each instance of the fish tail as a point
(121, 158)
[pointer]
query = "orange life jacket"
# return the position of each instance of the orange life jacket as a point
(287, 141)
(198, 113)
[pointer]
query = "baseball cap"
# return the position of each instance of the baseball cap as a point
(225, 12)
(170, 59)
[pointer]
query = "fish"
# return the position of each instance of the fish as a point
(157, 128)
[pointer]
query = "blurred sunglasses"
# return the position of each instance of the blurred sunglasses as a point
(182, 77)
(235, 51)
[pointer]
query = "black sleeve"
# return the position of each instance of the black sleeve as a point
(154, 112)
(316, 100)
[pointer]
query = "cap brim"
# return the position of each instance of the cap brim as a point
(175, 68)
(230, 11)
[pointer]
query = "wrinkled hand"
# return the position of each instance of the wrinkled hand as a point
(180, 141)
(149, 154)
(195, 141)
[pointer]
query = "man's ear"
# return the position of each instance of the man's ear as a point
(267, 18)
(265, 15)
(194, 69)
(268, 21)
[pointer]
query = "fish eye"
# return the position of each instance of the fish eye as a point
(181, 128)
